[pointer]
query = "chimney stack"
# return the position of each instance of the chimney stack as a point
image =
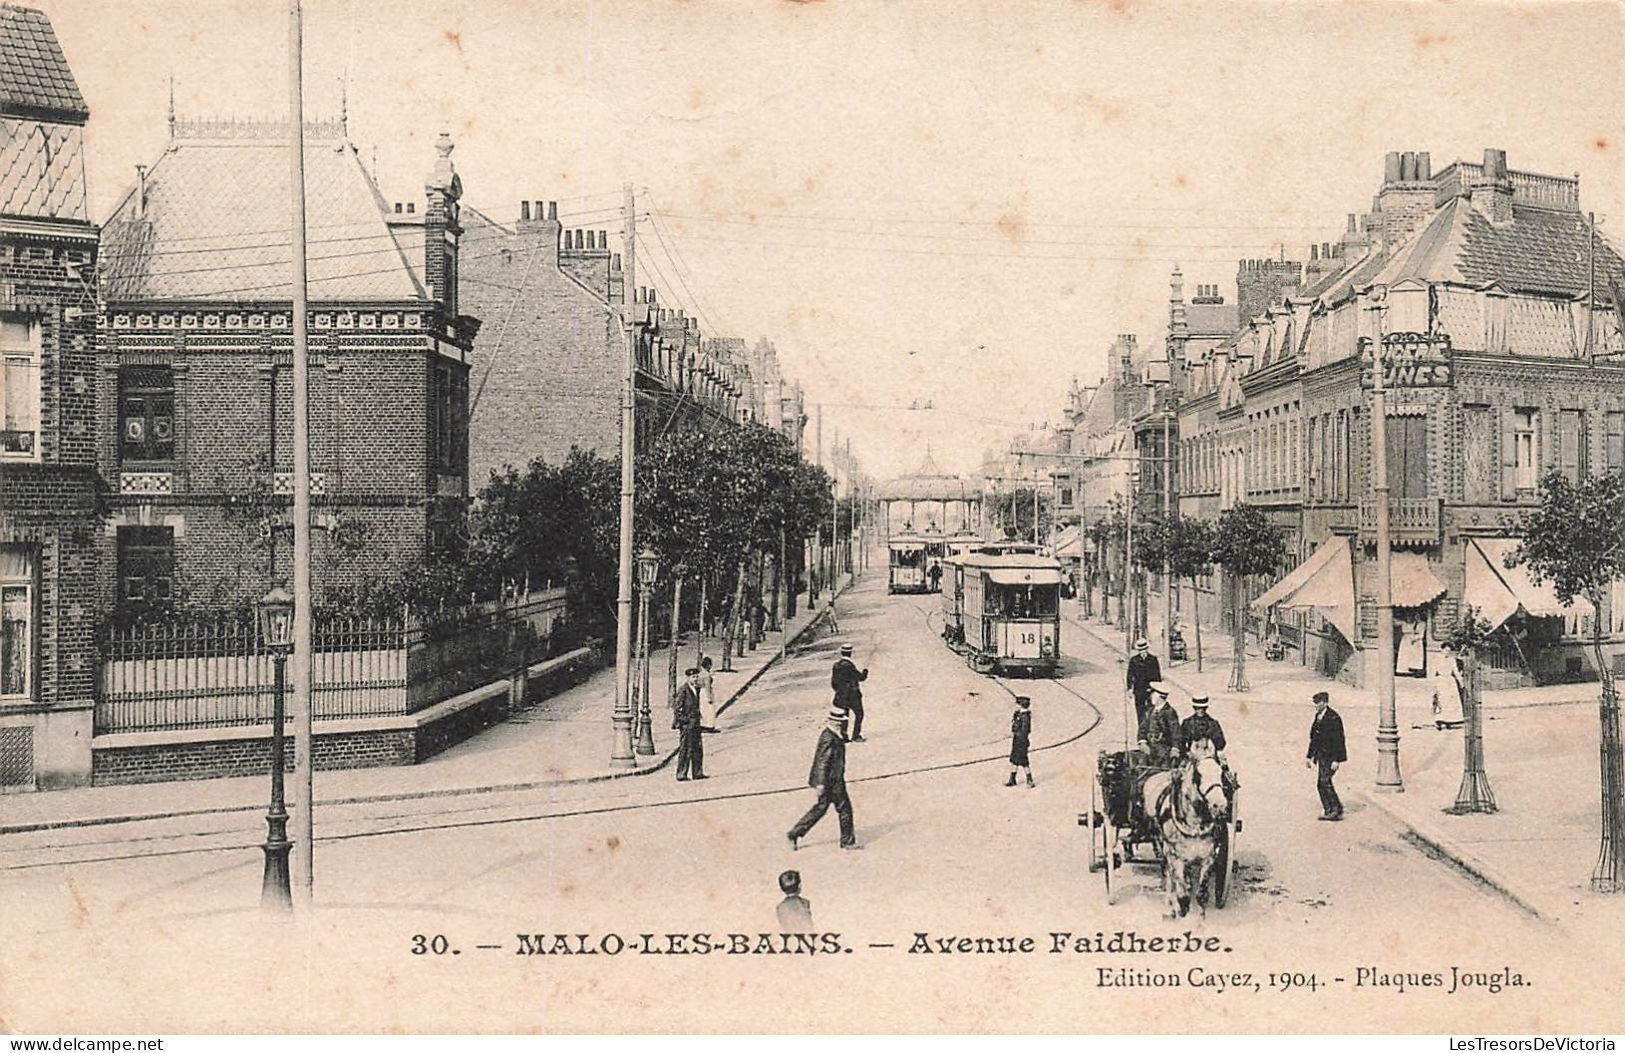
(1492, 190)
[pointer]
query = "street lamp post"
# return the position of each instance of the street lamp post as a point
(1389, 779)
(648, 575)
(275, 616)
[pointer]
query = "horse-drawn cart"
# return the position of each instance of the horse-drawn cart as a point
(1145, 814)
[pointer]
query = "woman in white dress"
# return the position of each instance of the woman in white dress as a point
(1447, 691)
(708, 697)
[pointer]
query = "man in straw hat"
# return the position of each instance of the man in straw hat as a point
(1201, 734)
(1143, 671)
(844, 678)
(828, 777)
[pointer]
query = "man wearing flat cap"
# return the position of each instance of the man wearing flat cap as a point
(686, 719)
(1159, 735)
(1143, 670)
(828, 777)
(844, 678)
(1327, 749)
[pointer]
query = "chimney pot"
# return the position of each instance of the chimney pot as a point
(1314, 253)
(615, 262)
(399, 208)
(537, 212)
(1351, 228)
(411, 207)
(1390, 167)
(524, 211)
(1424, 166)
(1495, 164)
(1407, 166)
(553, 210)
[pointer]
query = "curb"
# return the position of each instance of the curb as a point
(417, 795)
(1432, 843)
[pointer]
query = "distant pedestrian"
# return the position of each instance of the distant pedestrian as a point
(1448, 691)
(936, 577)
(1021, 730)
(1143, 670)
(690, 749)
(1159, 735)
(844, 678)
(708, 696)
(828, 777)
(1326, 751)
(795, 913)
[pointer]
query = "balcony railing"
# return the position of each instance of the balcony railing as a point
(1411, 520)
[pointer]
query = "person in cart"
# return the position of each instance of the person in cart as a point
(1202, 736)
(1160, 733)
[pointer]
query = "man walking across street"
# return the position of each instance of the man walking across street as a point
(1327, 750)
(844, 678)
(828, 777)
(1143, 671)
(690, 746)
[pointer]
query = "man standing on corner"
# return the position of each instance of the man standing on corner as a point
(828, 777)
(690, 747)
(1143, 671)
(844, 678)
(1327, 750)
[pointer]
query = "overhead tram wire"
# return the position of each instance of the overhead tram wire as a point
(682, 282)
(1184, 257)
(871, 226)
(673, 251)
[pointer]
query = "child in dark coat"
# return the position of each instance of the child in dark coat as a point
(1021, 730)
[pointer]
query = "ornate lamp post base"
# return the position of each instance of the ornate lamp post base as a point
(1475, 796)
(276, 894)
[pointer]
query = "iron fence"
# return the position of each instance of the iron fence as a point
(186, 675)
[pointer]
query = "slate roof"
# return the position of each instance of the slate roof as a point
(42, 170)
(216, 228)
(1211, 319)
(34, 76)
(1542, 251)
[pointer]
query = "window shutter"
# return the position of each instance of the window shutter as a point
(1509, 456)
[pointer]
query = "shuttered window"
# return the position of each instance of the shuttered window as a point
(1571, 444)
(1614, 441)
(1478, 454)
(1520, 451)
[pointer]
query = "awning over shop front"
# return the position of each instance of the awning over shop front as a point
(1068, 544)
(1499, 591)
(1324, 581)
(1413, 583)
(1025, 575)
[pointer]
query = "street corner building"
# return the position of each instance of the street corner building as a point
(48, 426)
(194, 378)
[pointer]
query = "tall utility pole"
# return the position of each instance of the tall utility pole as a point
(304, 827)
(1388, 777)
(834, 509)
(818, 459)
(1125, 606)
(621, 754)
(1167, 518)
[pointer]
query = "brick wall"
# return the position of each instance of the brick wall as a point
(554, 380)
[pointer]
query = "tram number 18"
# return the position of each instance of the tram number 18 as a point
(1029, 638)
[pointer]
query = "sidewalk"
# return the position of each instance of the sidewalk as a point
(561, 740)
(1540, 745)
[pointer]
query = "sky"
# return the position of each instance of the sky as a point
(949, 204)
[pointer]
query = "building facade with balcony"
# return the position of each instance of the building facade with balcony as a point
(48, 549)
(194, 376)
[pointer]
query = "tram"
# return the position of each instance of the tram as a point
(1002, 610)
(905, 563)
(960, 543)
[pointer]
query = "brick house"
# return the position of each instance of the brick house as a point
(195, 374)
(48, 257)
(554, 301)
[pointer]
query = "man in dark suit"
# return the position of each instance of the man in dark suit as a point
(686, 719)
(844, 678)
(828, 777)
(1327, 750)
(1159, 735)
(1143, 670)
(1199, 732)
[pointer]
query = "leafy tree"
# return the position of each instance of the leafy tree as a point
(1466, 639)
(1245, 543)
(1190, 556)
(1575, 539)
(1020, 524)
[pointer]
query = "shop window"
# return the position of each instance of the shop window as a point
(16, 622)
(19, 387)
(147, 412)
(146, 567)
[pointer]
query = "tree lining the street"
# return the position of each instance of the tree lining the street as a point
(1245, 544)
(1575, 539)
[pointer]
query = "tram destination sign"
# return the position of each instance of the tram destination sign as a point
(1410, 360)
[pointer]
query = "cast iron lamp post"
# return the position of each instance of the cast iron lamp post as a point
(275, 616)
(648, 575)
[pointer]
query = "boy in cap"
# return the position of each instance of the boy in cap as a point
(844, 678)
(828, 777)
(1021, 729)
(795, 913)
(686, 719)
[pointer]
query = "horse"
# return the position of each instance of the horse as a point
(1187, 804)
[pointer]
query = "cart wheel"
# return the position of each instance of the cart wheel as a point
(1223, 866)
(1094, 792)
(1108, 854)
